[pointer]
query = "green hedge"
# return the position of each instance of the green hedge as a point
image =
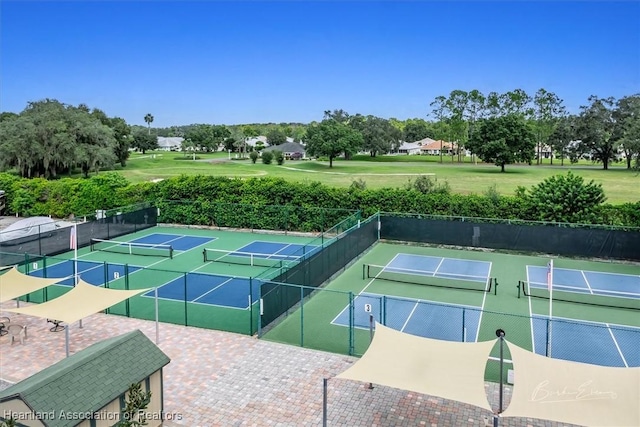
(60, 198)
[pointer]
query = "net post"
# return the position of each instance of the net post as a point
(44, 274)
(364, 266)
(495, 286)
(204, 255)
(170, 252)
(519, 284)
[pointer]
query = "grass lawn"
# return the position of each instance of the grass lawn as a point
(620, 185)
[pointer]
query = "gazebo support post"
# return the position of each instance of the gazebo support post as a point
(66, 339)
(324, 402)
(500, 334)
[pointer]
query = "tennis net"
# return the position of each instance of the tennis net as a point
(249, 258)
(419, 277)
(600, 297)
(132, 248)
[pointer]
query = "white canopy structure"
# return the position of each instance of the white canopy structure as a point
(14, 284)
(451, 370)
(544, 388)
(572, 392)
(80, 302)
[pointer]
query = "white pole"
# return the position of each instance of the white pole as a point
(75, 251)
(550, 285)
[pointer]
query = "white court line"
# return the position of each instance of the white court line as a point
(362, 291)
(212, 289)
(533, 336)
(438, 267)
(626, 365)
(409, 317)
(484, 300)
(584, 276)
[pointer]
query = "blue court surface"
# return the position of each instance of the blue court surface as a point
(95, 273)
(587, 342)
(417, 317)
(210, 289)
(588, 282)
(276, 250)
(445, 268)
(176, 241)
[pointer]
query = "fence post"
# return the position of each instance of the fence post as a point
(126, 286)
(186, 320)
(464, 327)
(383, 308)
(301, 316)
(250, 307)
(351, 326)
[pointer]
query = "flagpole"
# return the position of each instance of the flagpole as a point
(550, 285)
(75, 252)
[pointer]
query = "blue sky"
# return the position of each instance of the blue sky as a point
(225, 62)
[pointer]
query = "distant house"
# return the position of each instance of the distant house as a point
(433, 148)
(291, 150)
(92, 382)
(173, 143)
(409, 148)
(258, 140)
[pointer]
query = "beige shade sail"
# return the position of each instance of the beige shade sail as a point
(81, 301)
(451, 370)
(572, 392)
(14, 284)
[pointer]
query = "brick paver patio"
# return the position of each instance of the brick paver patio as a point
(223, 379)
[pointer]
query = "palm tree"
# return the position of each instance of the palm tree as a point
(148, 119)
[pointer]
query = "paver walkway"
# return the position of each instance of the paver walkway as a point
(223, 379)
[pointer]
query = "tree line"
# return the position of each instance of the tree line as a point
(50, 138)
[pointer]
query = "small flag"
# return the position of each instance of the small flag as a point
(550, 274)
(73, 241)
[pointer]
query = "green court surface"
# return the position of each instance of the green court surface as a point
(213, 294)
(443, 311)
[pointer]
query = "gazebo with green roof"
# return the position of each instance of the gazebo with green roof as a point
(88, 389)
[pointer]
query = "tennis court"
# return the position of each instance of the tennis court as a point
(261, 253)
(586, 282)
(589, 342)
(416, 316)
(188, 285)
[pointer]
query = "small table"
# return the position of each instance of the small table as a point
(56, 325)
